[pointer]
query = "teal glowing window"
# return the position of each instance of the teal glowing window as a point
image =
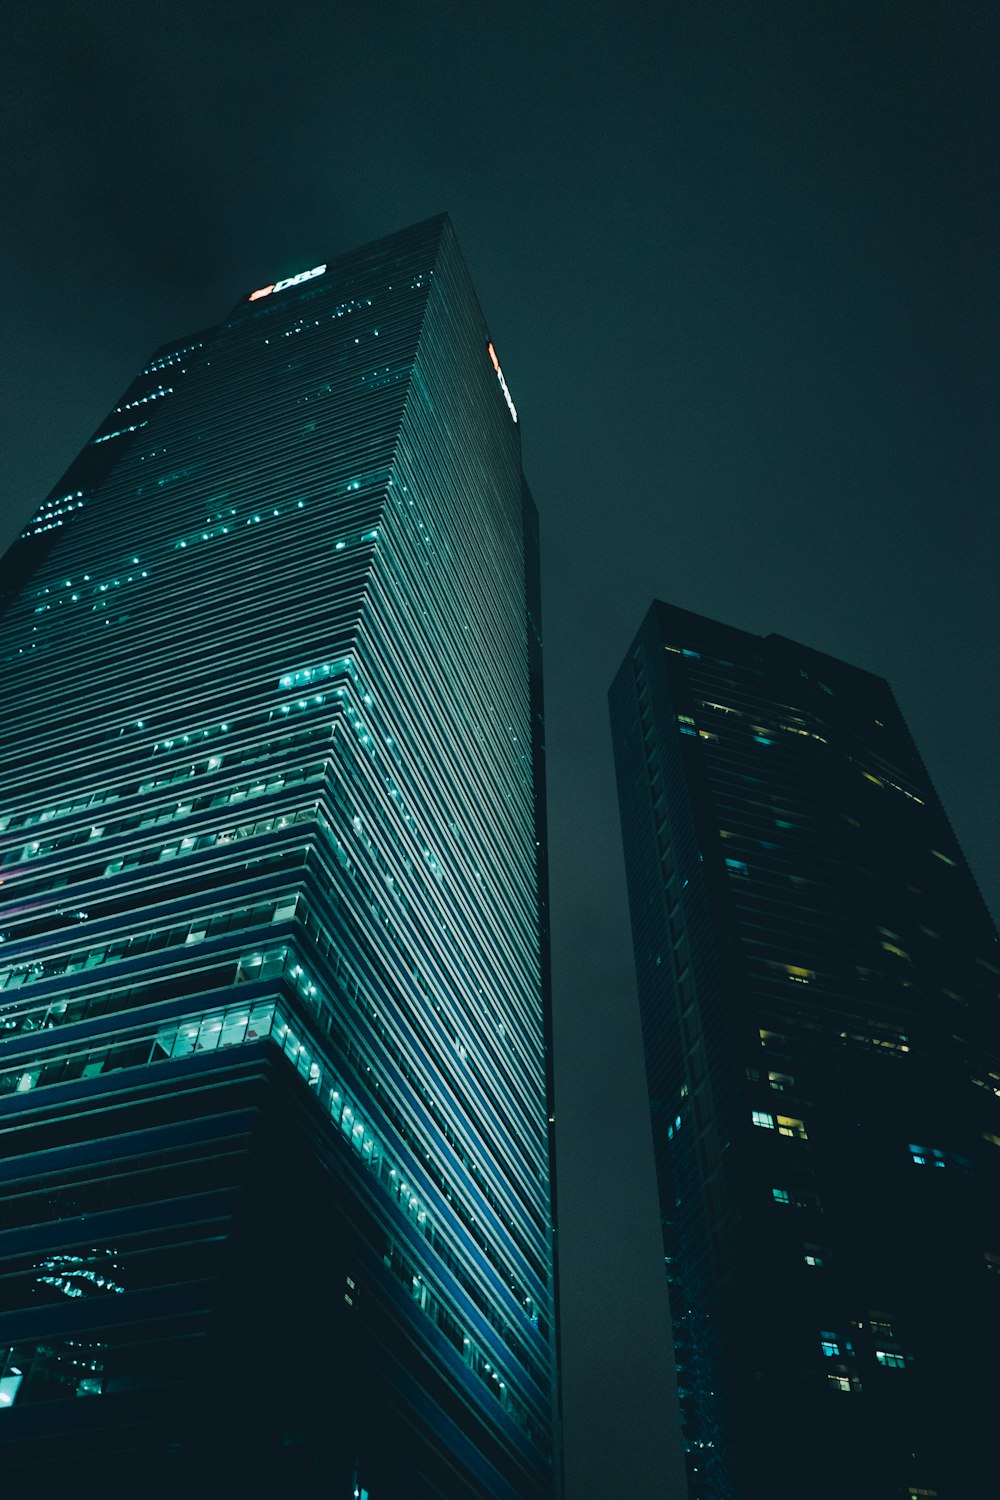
(120, 432)
(931, 1156)
(11, 1375)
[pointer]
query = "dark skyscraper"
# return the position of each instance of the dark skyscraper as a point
(818, 981)
(274, 1180)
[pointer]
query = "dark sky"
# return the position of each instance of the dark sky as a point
(738, 260)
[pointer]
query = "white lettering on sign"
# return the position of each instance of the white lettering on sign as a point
(503, 384)
(279, 286)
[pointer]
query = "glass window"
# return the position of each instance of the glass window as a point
(11, 1375)
(208, 1034)
(234, 1028)
(261, 1019)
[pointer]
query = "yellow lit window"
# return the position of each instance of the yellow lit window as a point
(770, 1038)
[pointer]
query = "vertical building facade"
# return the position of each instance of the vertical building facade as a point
(274, 1180)
(818, 981)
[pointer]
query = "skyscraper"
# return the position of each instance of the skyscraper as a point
(818, 984)
(274, 1180)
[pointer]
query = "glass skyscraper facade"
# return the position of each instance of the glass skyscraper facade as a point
(274, 1012)
(818, 981)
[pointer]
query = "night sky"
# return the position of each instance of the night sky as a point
(738, 260)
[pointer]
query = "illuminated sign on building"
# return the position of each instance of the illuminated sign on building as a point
(503, 383)
(279, 286)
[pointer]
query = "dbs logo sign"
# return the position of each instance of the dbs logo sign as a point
(503, 384)
(279, 286)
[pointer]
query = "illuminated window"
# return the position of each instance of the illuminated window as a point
(781, 1195)
(791, 1127)
(780, 1081)
(890, 1359)
(881, 1038)
(924, 1156)
(830, 1344)
(762, 1118)
(11, 1375)
(815, 1255)
(121, 431)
